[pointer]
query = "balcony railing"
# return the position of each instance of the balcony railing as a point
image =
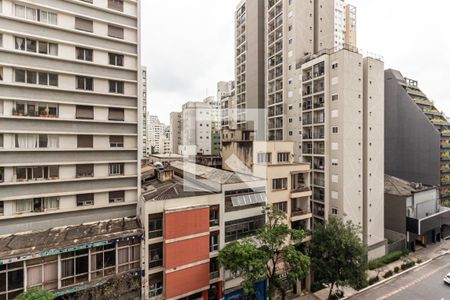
(213, 223)
(214, 275)
(300, 188)
(299, 212)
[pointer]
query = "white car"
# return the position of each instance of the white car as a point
(447, 278)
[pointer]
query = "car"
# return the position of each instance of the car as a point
(447, 279)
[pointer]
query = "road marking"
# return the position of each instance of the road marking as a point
(412, 283)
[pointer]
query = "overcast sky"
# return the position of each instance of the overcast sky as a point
(188, 46)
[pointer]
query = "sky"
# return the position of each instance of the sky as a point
(188, 46)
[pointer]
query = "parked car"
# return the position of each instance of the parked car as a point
(447, 279)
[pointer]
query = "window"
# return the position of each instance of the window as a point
(37, 205)
(116, 114)
(264, 157)
(334, 162)
(279, 184)
(103, 261)
(334, 211)
(85, 199)
(1, 140)
(84, 112)
(85, 83)
(34, 109)
(85, 141)
(115, 4)
(238, 229)
(11, 280)
(116, 169)
(334, 97)
(85, 171)
(335, 129)
(37, 173)
(34, 77)
(117, 197)
(2, 175)
(129, 255)
(115, 32)
(84, 24)
(116, 141)
(41, 47)
(155, 254)
(280, 206)
(2, 208)
(155, 285)
(74, 267)
(35, 141)
(214, 241)
(43, 273)
(155, 223)
(84, 54)
(116, 87)
(35, 14)
(116, 59)
(283, 157)
(214, 215)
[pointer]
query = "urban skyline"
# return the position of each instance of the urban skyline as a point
(176, 78)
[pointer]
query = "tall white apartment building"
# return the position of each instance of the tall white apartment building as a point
(175, 131)
(227, 100)
(345, 24)
(197, 123)
(70, 112)
(155, 135)
(144, 112)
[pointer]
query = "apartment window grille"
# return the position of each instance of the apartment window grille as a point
(74, 267)
(103, 261)
(155, 255)
(34, 14)
(116, 141)
(85, 171)
(42, 273)
(116, 59)
(11, 280)
(116, 114)
(85, 83)
(264, 157)
(37, 173)
(116, 169)
(214, 241)
(116, 87)
(84, 112)
(85, 141)
(117, 197)
(279, 184)
(85, 199)
(155, 285)
(115, 4)
(155, 223)
(34, 77)
(280, 206)
(283, 157)
(115, 32)
(84, 54)
(84, 24)
(35, 141)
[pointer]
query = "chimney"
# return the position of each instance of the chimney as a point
(164, 175)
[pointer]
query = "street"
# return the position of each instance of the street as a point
(422, 283)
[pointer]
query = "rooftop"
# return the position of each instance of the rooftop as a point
(400, 187)
(27, 243)
(212, 174)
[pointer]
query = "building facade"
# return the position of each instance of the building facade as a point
(197, 129)
(417, 135)
(144, 112)
(176, 126)
(70, 112)
(155, 136)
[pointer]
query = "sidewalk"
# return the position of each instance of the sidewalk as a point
(423, 254)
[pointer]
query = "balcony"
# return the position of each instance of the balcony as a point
(445, 132)
(319, 182)
(36, 110)
(445, 155)
(300, 214)
(445, 168)
(445, 180)
(214, 275)
(445, 144)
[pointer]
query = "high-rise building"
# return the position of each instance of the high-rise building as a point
(155, 135)
(227, 99)
(144, 112)
(417, 135)
(197, 125)
(70, 143)
(175, 131)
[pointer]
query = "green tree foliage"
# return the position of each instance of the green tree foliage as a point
(273, 250)
(36, 294)
(338, 255)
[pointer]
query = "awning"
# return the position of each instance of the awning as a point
(249, 199)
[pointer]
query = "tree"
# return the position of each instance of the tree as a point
(337, 254)
(36, 294)
(262, 257)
